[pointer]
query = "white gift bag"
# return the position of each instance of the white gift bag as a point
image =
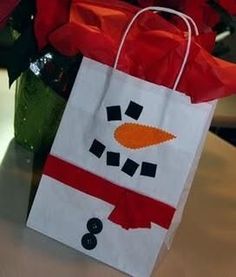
(119, 171)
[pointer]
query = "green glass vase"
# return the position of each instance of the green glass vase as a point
(38, 111)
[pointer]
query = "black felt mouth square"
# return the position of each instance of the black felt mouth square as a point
(113, 158)
(134, 110)
(114, 113)
(130, 167)
(97, 148)
(148, 169)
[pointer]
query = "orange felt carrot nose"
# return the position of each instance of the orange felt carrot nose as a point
(135, 136)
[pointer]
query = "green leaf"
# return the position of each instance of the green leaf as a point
(22, 16)
(21, 54)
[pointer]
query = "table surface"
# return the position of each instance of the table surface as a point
(204, 245)
(225, 113)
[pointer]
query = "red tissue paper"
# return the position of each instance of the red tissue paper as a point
(154, 49)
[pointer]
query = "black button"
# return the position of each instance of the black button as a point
(94, 226)
(113, 158)
(97, 148)
(134, 110)
(130, 167)
(148, 169)
(113, 113)
(89, 241)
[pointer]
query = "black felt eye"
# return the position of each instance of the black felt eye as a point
(89, 241)
(134, 110)
(113, 113)
(148, 169)
(130, 167)
(97, 148)
(94, 225)
(113, 158)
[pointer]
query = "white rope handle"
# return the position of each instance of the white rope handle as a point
(162, 9)
(191, 21)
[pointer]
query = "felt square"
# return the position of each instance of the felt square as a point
(97, 148)
(148, 169)
(134, 110)
(113, 158)
(114, 113)
(130, 167)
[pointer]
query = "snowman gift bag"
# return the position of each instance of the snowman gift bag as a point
(119, 171)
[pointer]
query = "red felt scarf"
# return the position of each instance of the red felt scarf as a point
(132, 210)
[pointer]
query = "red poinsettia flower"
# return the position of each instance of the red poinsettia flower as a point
(203, 14)
(229, 5)
(50, 14)
(55, 13)
(6, 8)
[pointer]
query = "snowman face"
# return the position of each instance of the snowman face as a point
(133, 136)
(129, 132)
